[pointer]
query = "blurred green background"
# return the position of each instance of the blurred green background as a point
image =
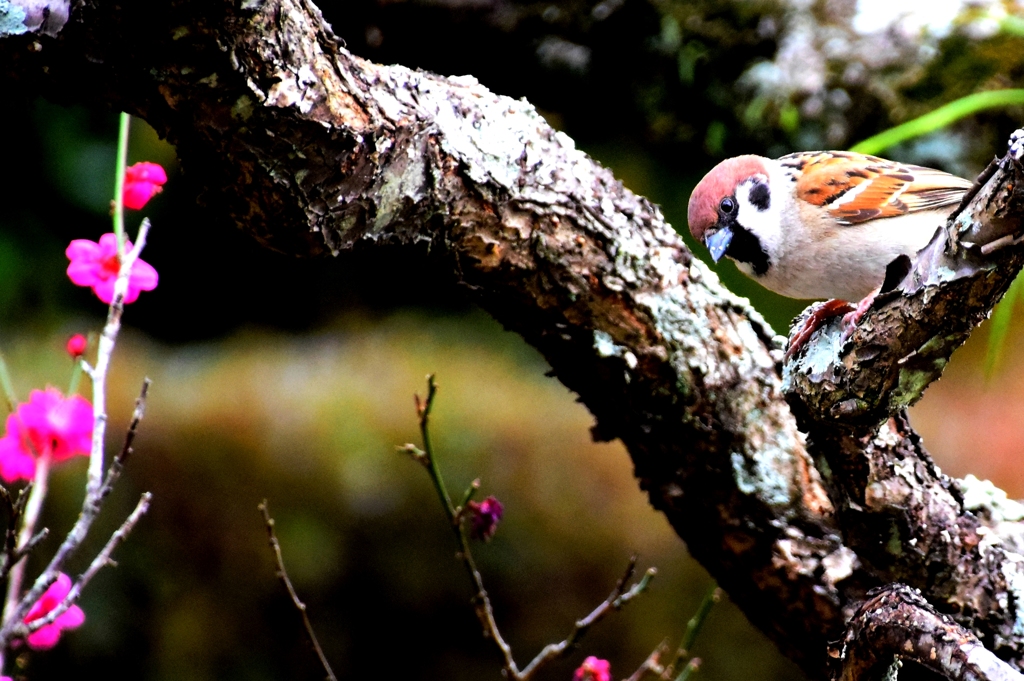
(293, 381)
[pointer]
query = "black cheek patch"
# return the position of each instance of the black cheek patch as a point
(745, 247)
(760, 197)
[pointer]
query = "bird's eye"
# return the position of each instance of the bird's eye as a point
(727, 206)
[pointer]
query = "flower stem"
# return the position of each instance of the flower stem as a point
(119, 168)
(7, 386)
(76, 378)
(435, 472)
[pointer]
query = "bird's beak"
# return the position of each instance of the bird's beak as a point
(718, 242)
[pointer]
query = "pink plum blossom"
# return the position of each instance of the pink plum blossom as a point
(73, 617)
(593, 669)
(96, 265)
(47, 425)
(142, 182)
(485, 516)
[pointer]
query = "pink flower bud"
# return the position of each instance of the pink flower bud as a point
(485, 516)
(76, 345)
(593, 669)
(142, 182)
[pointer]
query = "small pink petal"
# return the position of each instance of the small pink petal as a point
(43, 639)
(82, 248)
(15, 462)
(145, 171)
(72, 618)
(104, 290)
(144, 276)
(142, 181)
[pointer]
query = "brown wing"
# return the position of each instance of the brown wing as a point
(857, 187)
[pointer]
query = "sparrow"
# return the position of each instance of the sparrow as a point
(820, 224)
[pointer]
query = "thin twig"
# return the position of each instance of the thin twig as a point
(618, 598)
(691, 666)
(29, 518)
(481, 601)
(30, 544)
(103, 354)
(283, 576)
(423, 409)
(13, 509)
(693, 627)
(652, 665)
(101, 560)
(117, 465)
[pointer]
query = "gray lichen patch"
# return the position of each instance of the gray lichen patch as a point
(605, 346)
(985, 499)
(403, 180)
(33, 16)
(768, 475)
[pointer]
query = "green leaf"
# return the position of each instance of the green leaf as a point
(939, 118)
(1001, 317)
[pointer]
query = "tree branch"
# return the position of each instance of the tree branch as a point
(896, 624)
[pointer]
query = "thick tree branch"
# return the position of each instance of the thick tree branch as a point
(896, 625)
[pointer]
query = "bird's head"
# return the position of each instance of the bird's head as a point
(735, 186)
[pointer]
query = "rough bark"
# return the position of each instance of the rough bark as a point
(895, 625)
(315, 151)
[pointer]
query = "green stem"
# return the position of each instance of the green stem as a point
(76, 377)
(120, 165)
(696, 622)
(481, 601)
(468, 494)
(694, 626)
(7, 385)
(689, 669)
(1000, 326)
(435, 471)
(939, 118)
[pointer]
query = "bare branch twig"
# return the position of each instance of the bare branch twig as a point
(652, 665)
(282, 574)
(117, 465)
(101, 560)
(619, 597)
(481, 601)
(103, 354)
(14, 508)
